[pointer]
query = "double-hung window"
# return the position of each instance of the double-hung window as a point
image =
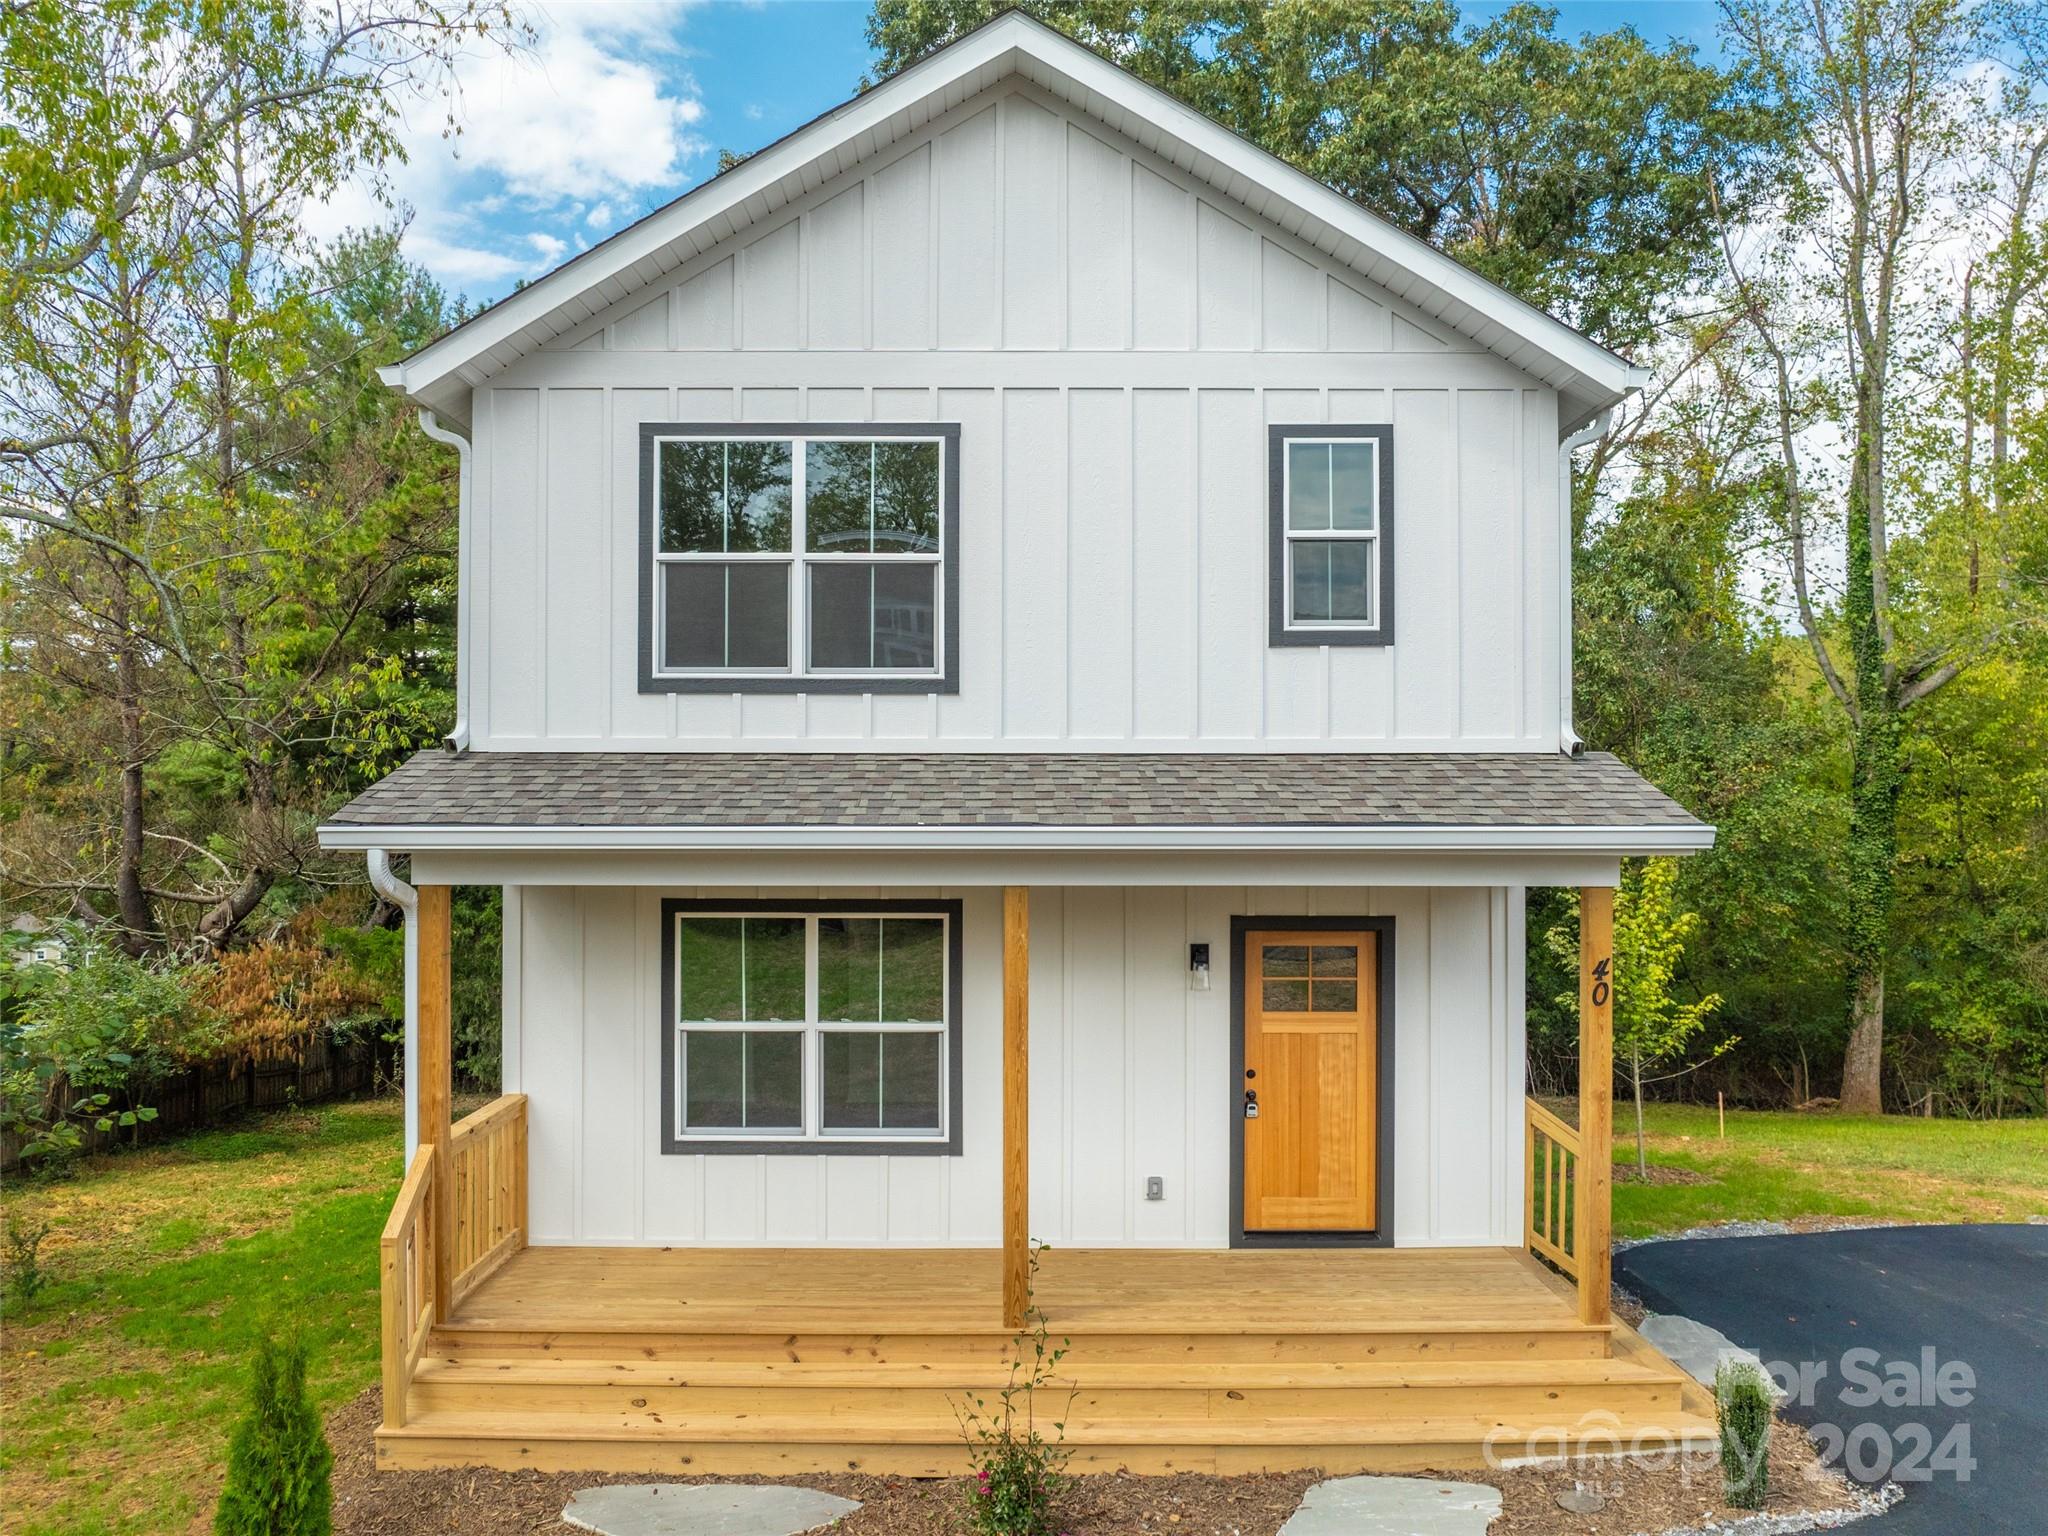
(811, 1026)
(800, 558)
(1332, 493)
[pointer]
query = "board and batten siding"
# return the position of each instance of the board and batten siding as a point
(1113, 342)
(1130, 1075)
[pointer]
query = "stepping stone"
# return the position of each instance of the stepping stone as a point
(703, 1509)
(1394, 1506)
(1693, 1347)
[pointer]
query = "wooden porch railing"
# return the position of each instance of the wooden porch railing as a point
(487, 1188)
(460, 1213)
(1550, 1165)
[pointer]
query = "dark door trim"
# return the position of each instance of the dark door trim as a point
(1382, 1235)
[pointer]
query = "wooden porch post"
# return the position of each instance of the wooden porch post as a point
(1596, 1101)
(436, 1086)
(1016, 1103)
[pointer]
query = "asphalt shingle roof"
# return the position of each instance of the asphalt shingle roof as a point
(1011, 789)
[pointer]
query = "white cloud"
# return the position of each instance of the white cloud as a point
(595, 123)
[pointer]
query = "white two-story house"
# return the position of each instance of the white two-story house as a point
(1015, 672)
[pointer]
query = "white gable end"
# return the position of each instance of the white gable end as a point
(751, 197)
(1014, 224)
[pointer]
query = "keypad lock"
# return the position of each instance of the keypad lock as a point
(1251, 1103)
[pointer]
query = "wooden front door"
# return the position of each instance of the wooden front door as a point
(1310, 1057)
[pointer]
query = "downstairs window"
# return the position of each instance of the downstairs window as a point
(811, 1026)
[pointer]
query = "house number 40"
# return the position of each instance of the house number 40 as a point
(1601, 991)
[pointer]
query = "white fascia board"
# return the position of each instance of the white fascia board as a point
(989, 46)
(1628, 842)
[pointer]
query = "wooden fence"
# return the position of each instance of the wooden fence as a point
(1550, 1166)
(310, 1070)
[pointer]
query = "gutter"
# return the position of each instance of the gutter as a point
(457, 739)
(407, 900)
(1567, 733)
(1668, 837)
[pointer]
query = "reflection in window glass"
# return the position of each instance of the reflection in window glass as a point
(1332, 581)
(749, 1080)
(850, 969)
(1354, 484)
(914, 970)
(874, 616)
(1308, 486)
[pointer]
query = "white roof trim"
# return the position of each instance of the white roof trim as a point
(1621, 841)
(440, 374)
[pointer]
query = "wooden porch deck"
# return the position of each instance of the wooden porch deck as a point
(959, 1290)
(794, 1360)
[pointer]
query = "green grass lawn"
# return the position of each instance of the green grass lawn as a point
(1798, 1168)
(122, 1379)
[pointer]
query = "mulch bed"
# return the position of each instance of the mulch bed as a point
(1659, 1174)
(1642, 1495)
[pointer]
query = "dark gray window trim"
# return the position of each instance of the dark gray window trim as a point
(1278, 633)
(671, 1144)
(948, 678)
(1382, 1235)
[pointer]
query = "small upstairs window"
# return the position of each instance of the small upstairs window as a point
(810, 558)
(1331, 567)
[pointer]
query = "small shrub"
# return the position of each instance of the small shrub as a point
(1742, 1394)
(1018, 1471)
(279, 1462)
(26, 1276)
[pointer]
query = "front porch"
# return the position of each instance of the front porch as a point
(763, 1358)
(807, 1360)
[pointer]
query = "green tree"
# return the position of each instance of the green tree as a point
(1652, 1027)
(280, 1468)
(1846, 305)
(1575, 173)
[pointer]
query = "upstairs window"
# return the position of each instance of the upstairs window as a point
(1331, 513)
(800, 559)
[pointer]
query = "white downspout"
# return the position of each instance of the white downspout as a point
(1568, 735)
(407, 900)
(457, 739)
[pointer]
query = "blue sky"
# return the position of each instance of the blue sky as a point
(624, 104)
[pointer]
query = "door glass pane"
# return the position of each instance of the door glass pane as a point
(1285, 997)
(775, 967)
(708, 970)
(726, 615)
(850, 969)
(1336, 997)
(692, 488)
(775, 1082)
(853, 1081)
(1332, 581)
(910, 1081)
(1285, 960)
(907, 497)
(713, 1070)
(914, 970)
(1308, 485)
(1336, 960)
(758, 497)
(1354, 483)
(836, 495)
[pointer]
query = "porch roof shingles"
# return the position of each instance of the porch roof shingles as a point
(1012, 789)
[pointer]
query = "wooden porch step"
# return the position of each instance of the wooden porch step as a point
(801, 1444)
(1556, 1341)
(923, 1400)
(566, 1372)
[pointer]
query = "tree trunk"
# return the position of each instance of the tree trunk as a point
(1875, 776)
(1635, 1065)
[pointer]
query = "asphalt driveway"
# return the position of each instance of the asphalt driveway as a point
(1924, 1350)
